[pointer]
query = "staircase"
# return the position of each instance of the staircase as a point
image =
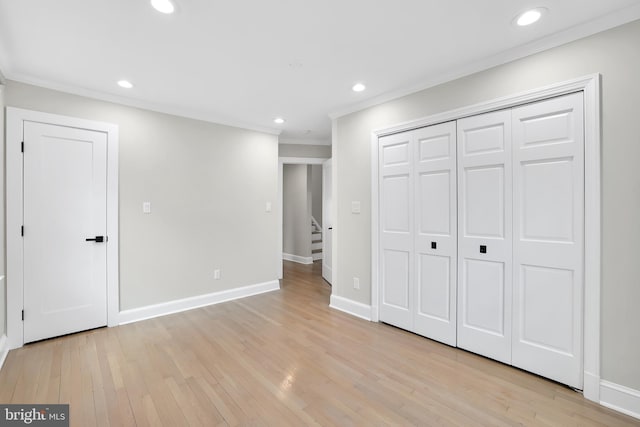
(316, 240)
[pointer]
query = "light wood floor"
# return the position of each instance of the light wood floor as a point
(283, 358)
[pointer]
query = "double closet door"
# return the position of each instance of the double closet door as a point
(481, 235)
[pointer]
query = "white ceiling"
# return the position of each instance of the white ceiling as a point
(244, 62)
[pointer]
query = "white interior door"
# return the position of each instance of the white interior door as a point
(65, 287)
(485, 235)
(396, 229)
(549, 236)
(434, 292)
(327, 221)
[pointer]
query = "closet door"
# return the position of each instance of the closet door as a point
(485, 235)
(549, 238)
(396, 229)
(435, 238)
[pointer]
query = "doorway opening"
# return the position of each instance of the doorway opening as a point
(305, 222)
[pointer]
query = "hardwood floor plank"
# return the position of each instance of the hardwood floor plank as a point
(278, 359)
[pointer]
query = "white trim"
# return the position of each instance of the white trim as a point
(294, 141)
(509, 101)
(14, 128)
(297, 258)
(351, 307)
(375, 238)
(620, 398)
(328, 220)
(591, 387)
(4, 344)
(592, 237)
(113, 227)
(577, 32)
(335, 232)
(302, 160)
(145, 105)
(177, 306)
(590, 85)
(280, 211)
(4, 349)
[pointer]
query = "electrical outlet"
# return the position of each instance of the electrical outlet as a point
(356, 283)
(146, 207)
(216, 274)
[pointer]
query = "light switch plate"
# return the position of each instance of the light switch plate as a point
(146, 207)
(268, 207)
(355, 207)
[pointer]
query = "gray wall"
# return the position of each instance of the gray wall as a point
(208, 185)
(616, 55)
(3, 289)
(300, 150)
(315, 183)
(296, 222)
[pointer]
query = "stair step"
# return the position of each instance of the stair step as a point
(316, 246)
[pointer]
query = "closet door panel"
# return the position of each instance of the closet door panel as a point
(396, 154)
(435, 238)
(483, 294)
(484, 201)
(549, 238)
(485, 234)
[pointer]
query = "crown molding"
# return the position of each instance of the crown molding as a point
(136, 103)
(603, 23)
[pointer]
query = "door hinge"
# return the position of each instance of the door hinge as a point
(22, 147)
(22, 231)
(23, 315)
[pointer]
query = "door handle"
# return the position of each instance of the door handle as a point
(97, 239)
(330, 228)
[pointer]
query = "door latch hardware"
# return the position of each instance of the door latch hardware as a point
(483, 249)
(97, 239)
(434, 245)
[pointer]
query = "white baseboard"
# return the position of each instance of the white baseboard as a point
(353, 308)
(620, 398)
(298, 259)
(317, 256)
(4, 349)
(151, 311)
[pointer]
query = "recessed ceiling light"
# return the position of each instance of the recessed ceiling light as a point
(163, 6)
(125, 84)
(530, 16)
(278, 120)
(358, 87)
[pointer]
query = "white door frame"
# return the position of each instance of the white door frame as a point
(327, 213)
(590, 85)
(14, 197)
(281, 162)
